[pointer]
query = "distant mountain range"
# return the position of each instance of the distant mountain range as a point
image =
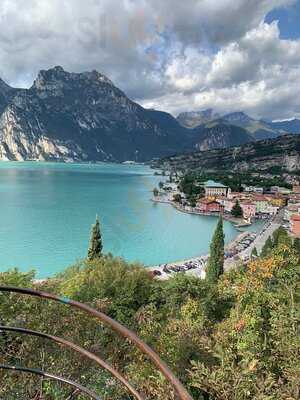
(85, 117)
(195, 118)
(282, 152)
(257, 129)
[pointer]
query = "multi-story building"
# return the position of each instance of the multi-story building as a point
(253, 189)
(279, 189)
(271, 210)
(291, 210)
(214, 189)
(261, 204)
(277, 201)
(226, 203)
(209, 206)
(249, 209)
(295, 224)
(296, 189)
(294, 198)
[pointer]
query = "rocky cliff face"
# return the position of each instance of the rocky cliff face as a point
(221, 136)
(67, 116)
(257, 156)
(191, 119)
(84, 117)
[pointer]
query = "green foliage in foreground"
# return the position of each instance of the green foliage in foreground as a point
(236, 339)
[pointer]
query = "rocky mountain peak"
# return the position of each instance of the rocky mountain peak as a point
(191, 119)
(6, 94)
(4, 87)
(82, 116)
(97, 76)
(238, 116)
(58, 78)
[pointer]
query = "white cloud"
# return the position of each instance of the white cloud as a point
(259, 73)
(169, 54)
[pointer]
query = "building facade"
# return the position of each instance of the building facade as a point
(209, 206)
(295, 224)
(249, 209)
(216, 189)
(261, 204)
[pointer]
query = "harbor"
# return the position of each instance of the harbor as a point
(196, 266)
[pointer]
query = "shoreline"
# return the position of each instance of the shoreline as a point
(74, 162)
(196, 265)
(226, 217)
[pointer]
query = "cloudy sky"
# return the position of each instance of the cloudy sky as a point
(172, 55)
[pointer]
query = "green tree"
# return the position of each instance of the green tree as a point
(296, 245)
(237, 210)
(215, 265)
(254, 252)
(177, 198)
(161, 185)
(267, 248)
(192, 202)
(96, 246)
(280, 236)
(155, 192)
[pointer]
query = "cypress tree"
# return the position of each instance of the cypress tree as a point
(95, 246)
(215, 265)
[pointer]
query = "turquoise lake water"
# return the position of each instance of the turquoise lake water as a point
(46, 211)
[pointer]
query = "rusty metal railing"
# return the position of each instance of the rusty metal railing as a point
(46, 375)
(116, 326)
(79, 350)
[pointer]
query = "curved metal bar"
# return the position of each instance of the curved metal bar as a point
(117, 327)
(78, 349)
(73, 394)
(52, 377)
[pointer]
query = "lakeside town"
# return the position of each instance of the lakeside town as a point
(268, 208)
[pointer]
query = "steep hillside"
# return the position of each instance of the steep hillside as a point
(257, 129)
(283, 152)
(220, 135)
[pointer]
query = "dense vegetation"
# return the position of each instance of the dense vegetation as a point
(190, 183)
(232, 338)
(261, 156)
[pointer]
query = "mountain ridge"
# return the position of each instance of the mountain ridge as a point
(282, 152)
(83, 116)
(258, 128)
